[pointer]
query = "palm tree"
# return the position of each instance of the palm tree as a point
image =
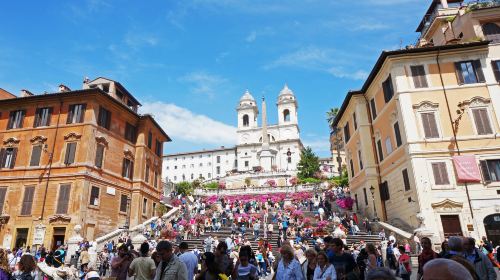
(331, 115)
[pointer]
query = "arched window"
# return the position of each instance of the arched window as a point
(246, 121)
(492, 32)
(286, 115)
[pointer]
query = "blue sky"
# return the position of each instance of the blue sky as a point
(190, 61)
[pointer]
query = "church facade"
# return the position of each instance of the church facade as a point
(263, 148)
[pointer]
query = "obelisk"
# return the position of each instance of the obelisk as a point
(266, 157)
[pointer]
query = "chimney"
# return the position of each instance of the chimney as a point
(26, 93)
(63, 88)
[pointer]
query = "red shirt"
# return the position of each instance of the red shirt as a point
(405, 259)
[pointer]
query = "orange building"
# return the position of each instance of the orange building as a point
(82, 157)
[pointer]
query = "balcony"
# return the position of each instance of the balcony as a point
(437, 11)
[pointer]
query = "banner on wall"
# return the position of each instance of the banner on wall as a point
(467, 169)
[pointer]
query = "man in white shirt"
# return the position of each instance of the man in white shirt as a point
(189, 259)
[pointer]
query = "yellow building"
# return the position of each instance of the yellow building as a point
(422, 133)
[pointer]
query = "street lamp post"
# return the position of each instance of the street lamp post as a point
(372, 190)
(127, 222)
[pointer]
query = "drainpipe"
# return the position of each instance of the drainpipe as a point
(454, 134)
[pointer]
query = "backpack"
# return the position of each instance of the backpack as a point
(380, 261)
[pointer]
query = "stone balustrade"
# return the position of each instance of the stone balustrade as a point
(258, 190)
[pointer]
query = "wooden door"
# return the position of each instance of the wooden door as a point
(451, 225)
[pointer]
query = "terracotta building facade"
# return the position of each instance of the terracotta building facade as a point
(82, 157)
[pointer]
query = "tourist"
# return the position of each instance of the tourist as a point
(324, 270)
(444, 248)
(209, 268)
(427, 255)
(288, 267)
(142, 267)
(189, 259)
(439, 269)
(392, 238)
(209, 244)
(256, 229)
(121, 263)
(225, 265)
(362, 261)
(390, 256)
(170, 267)
(404, 264)
(91, 273)
(84, 258)
(4, 265)
(381, 234)
(371, 262)
(103, 259)
(26, 267)
(455, 247)
(244, 270)
(344, 263)
(418, 246)
(309, 264)
(261, 262)
(482, 264)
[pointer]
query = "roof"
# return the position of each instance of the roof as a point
(121, 88)
(201, 152)
(431, 9)
(384, 55)
(83, 92)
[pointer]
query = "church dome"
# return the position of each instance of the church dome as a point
(286, 94)
(247, 100)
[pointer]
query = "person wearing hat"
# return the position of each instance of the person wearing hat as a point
(170, 267)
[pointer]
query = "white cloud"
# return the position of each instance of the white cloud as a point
(368, 26)
(203, 83)
(138, 39)
(183, 125)
(319, 145)
(251, 37)
(340, 72)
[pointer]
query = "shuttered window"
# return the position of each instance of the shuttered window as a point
(490, 170)
(156, 179)
(144, 206)
(42, 117)
(418, 74)
(104, 118)
(63, 199)
(397, 134)
(159, 145)
(123, 203)
(429, 125)
(16, 119)
(35, 155)
(492, 32)
(76, 113)
(355, 121)
(388, 89)
(440, 173)
(127, 168)
(8, 157)
(150, 140)
(146, 174)
(366, 197)
(360, 160)
(380, 152)
(3, 195)
(347, 134)
(27, 200)
(94, 196)
(130, 133)
(70, 153)
(469, 72)
(352, 167)
(99, 155)
(373, 108)
(384, 191)
(496, 69)
(406, 179)
(482, 121)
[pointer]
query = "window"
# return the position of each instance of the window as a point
(99, 155)
(496, 69)
(94, 196)
(246, 121)
(286, 115)
(366, 197)
(42, 117)
(16, 119)
(384, 191)
(183, 166)
(360, 160)
(218, 159)
(347, 134)
(154, 209)
(130, 133)
(388, 89)
(146, 174)
(128, 168)
(158, 148)
(289, 159)
(144, 206)
(492, 32)
(373, 108)
(209, 175)
(27, 201)
(150, 140)
(397, 134)
(218, 170)
(70, 153)
(430, 125)
(246, 163)
(388, 145)
(489, 168)
(76, 113)
(3, 195)
(356, 200)
(63, 199)
(36, 152)
(8, 157)
(104, 118)
(155, 184)
(482, 121)
(355, 121)
(191, 165)
(175, 178)
(440, 173)
(352, 167)
(175, 167)
(469, 72)
(201, 164)
(406, 180)
(380, 152)
(418, 74)
(192, 176)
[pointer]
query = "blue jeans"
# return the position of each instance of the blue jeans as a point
(263, 268)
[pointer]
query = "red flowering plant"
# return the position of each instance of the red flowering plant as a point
(176, 202)
(330, 194)
(322, 225)
(200, 219)
(183, 223)
(271, 183)
(289, 208)
(297, 214)
(293, 181)
(222, 185)
(345, 203)
(307, 222)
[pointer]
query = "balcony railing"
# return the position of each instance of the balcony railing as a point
(439, 11)
(482, 4)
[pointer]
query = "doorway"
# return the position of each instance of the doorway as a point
(21, 237)
(58, 237)
(451, 225)
(492, 227)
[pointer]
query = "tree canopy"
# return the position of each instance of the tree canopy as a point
(308, 164)
(330, 117)
(185, 188)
